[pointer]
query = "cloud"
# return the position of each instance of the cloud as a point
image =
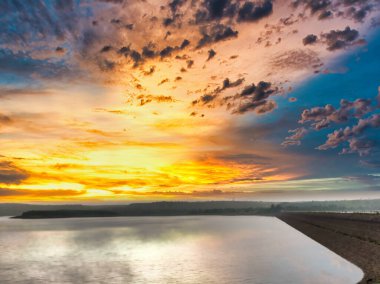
(325, 15)
(211, 54)
(309, 39)
(323, 116)
(146, 99)
(216, 33)
(339, 39)
(349, 134)
(11, 174)
(148, 52)
(227, 83)
(352, 9)
(189, 63)
(251, 12)
(31, 193)
(255, 98)
(295, 138)
(215, 10)
(313, 5)
(295, 59)
(251, 98)
(214, 94)
(361, 146)
(174, 7)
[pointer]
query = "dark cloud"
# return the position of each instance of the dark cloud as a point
(258, 92)
(189, 63)
(149, 52)
(325, 15)
(320, 7)
(339, 39)
(359, 14)
(216, 33)
(227, 83)
(260, 107)
(313, 5)
(352, 9)
(251, 12)
(184, 44)
(255, 98)
(213, 95)
(205, 99)
(219, 8)
(106, 65)
(136, 57)
(167, 51)
(11, 174)
(309, 39)
(174, 7)
(215, 10)
(167, 21)
(60, 50)
(211, 54)
(132, 54)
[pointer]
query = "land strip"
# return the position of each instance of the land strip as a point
(354, 236)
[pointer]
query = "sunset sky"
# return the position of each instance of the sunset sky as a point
(127, 100)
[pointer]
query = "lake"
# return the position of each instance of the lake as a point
(192, 249)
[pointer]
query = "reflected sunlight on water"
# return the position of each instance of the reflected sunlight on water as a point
(201, 249)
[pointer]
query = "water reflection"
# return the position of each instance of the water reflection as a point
(214, 249)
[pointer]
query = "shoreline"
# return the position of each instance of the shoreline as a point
(353, 236)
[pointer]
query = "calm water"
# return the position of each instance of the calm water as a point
(214, 249)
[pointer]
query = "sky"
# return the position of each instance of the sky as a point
(118, 100)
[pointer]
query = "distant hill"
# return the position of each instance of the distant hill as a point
(199, 208)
